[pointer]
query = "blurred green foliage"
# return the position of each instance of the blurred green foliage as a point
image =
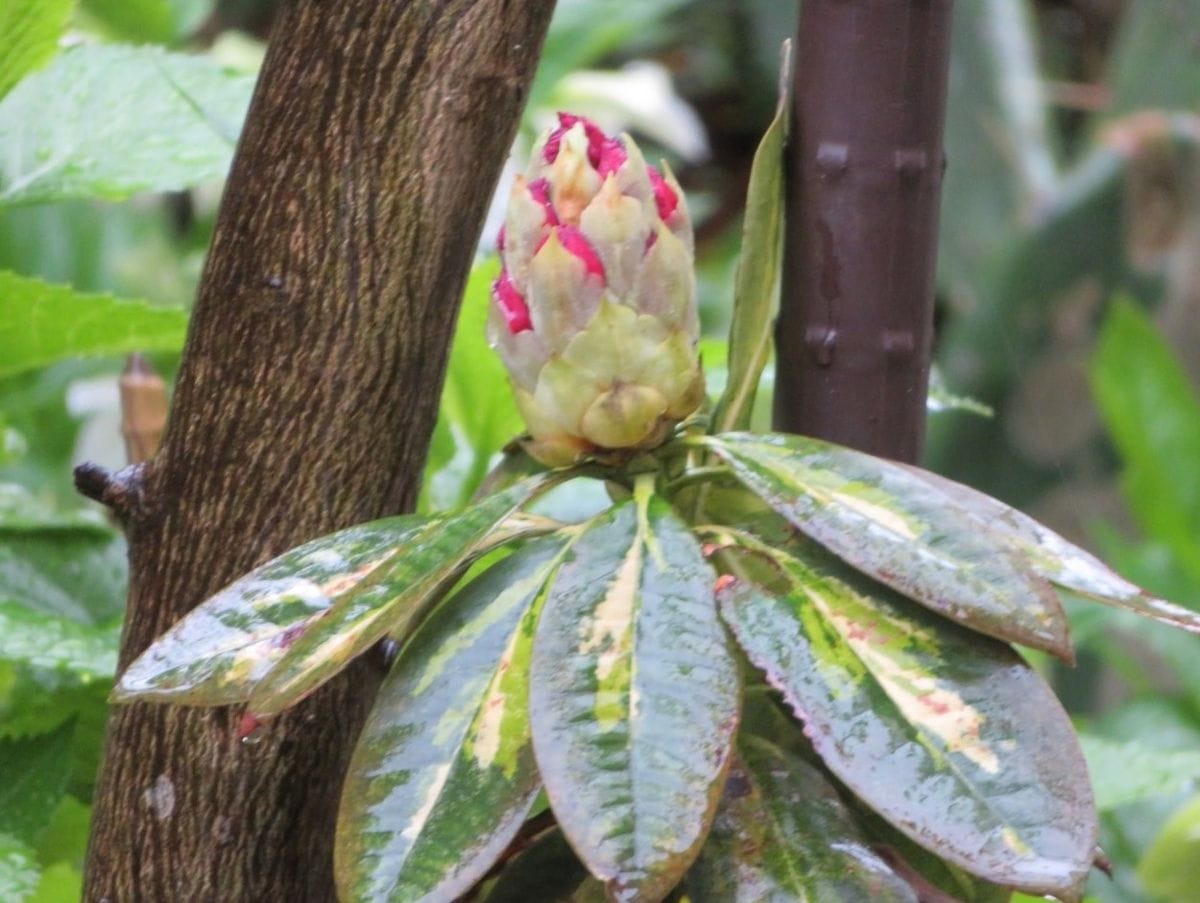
(1052, 208)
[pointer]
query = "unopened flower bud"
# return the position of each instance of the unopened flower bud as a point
(594, 312)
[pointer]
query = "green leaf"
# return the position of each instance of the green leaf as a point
(109, 121)
(29, 33)
(982, 766)
(443, 775)
(1132, 771)
(221, 650)
(758, 271)
(147, 21)
(782, 833)
(898, 528)
(40, 640)
(1153, 64)
(634, 697)
(1168, 867)
(1064, 564)
(65, 566)
(393, 601)
(18, 870)
(1153, 415)
(42, 323)
(477, 414)
(59, 883)
(35, 773)
(547, 870)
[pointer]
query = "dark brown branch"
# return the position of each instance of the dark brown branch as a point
(119, 492)
(865, 170)
(304, 403)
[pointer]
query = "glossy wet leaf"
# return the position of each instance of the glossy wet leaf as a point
(782, 835)
(109, 121)
(393, 600)
(1057, 560)
(220, 651)
(949, 735)
(757, 277)
(634, 698)
(896, 527)
(443, 774)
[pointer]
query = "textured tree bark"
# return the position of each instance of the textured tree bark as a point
(865, 170)
(305, 403)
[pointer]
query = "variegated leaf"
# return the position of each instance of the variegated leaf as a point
(634, 697)
(443, 774)
(947, 734)
(1059, 561)
(782, 833)
(896, 527)
(391, 603)
(223, 648)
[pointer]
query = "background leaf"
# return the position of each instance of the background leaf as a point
(35, 773)
(42, 323)
(18, 869)
(109, 121)
(634, 698)
(1126, 772)
(443, 774)
(29, 33)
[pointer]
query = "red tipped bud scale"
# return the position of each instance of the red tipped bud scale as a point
(594, 312)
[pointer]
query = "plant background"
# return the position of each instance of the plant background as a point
(1069, 302)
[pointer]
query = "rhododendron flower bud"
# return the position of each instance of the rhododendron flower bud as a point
(594, 312)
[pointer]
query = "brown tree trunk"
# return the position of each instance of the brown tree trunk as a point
(864, 171)
(305, 403)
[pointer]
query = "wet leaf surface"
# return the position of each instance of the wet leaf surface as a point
(443, 775)
(782, 834)
(634, 698)
(220, 651)
(898, 528)
(949, 735)
(392, 603)
(1059, 561)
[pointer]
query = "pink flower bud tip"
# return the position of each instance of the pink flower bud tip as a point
(664, 195)
(511, 304)
(604, 153)
(539, 190)
(575, 243)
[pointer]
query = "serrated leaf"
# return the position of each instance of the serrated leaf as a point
(45, 641)
(896, 527)
(67, 566)
(35, 771)
(391, 602)
(982, 765)
(219, 652)
(782, 833)
(1062, 563)
(29, 33)
(443, 775)
(42, 323)
(18, 870)
(634, 697)
(109, 121)
(1131, 771)
(757, 277)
